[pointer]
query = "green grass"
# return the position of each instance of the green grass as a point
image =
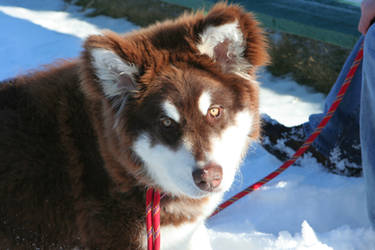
(308, 61)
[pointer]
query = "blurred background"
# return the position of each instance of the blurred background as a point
(310, 39)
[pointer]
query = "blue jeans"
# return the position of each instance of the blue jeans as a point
(354, 121)
(343, 128)
(367, 120)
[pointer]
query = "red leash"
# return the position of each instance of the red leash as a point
(153, 219)
(307, 143)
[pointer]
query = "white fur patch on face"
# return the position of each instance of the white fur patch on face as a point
(204, 102)
(108, 68)
(170, 169)
(229, 148)
(171, 110)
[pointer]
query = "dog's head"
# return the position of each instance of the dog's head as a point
(180, 100)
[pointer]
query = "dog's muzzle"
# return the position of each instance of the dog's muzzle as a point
(209, 177)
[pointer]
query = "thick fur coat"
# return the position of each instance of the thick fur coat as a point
(173, 106)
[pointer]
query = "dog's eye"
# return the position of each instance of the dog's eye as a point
(166, 122)
(215, 112)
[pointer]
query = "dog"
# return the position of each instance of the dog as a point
(173, 106)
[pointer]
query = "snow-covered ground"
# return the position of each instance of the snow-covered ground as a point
(304, 208)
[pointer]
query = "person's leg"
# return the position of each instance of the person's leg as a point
(367, 121)
(343, 128)
(338, 146)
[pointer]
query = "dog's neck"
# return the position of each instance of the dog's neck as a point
(179, 210)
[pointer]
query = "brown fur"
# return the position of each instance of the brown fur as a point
(68, 177)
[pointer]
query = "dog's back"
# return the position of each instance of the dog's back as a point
(33, 167)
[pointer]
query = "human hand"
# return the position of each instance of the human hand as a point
(367, 15)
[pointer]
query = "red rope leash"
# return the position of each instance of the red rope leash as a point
(307, 143)
(153, 219)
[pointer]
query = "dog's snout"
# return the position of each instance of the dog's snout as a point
(209, 177)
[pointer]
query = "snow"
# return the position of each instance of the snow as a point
(304, 208)
(289, 95)
(46, 31)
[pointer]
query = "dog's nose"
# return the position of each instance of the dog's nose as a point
(209, 177)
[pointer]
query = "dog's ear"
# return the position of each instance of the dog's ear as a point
(114, 72)
(115, 75)
(232, 38)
